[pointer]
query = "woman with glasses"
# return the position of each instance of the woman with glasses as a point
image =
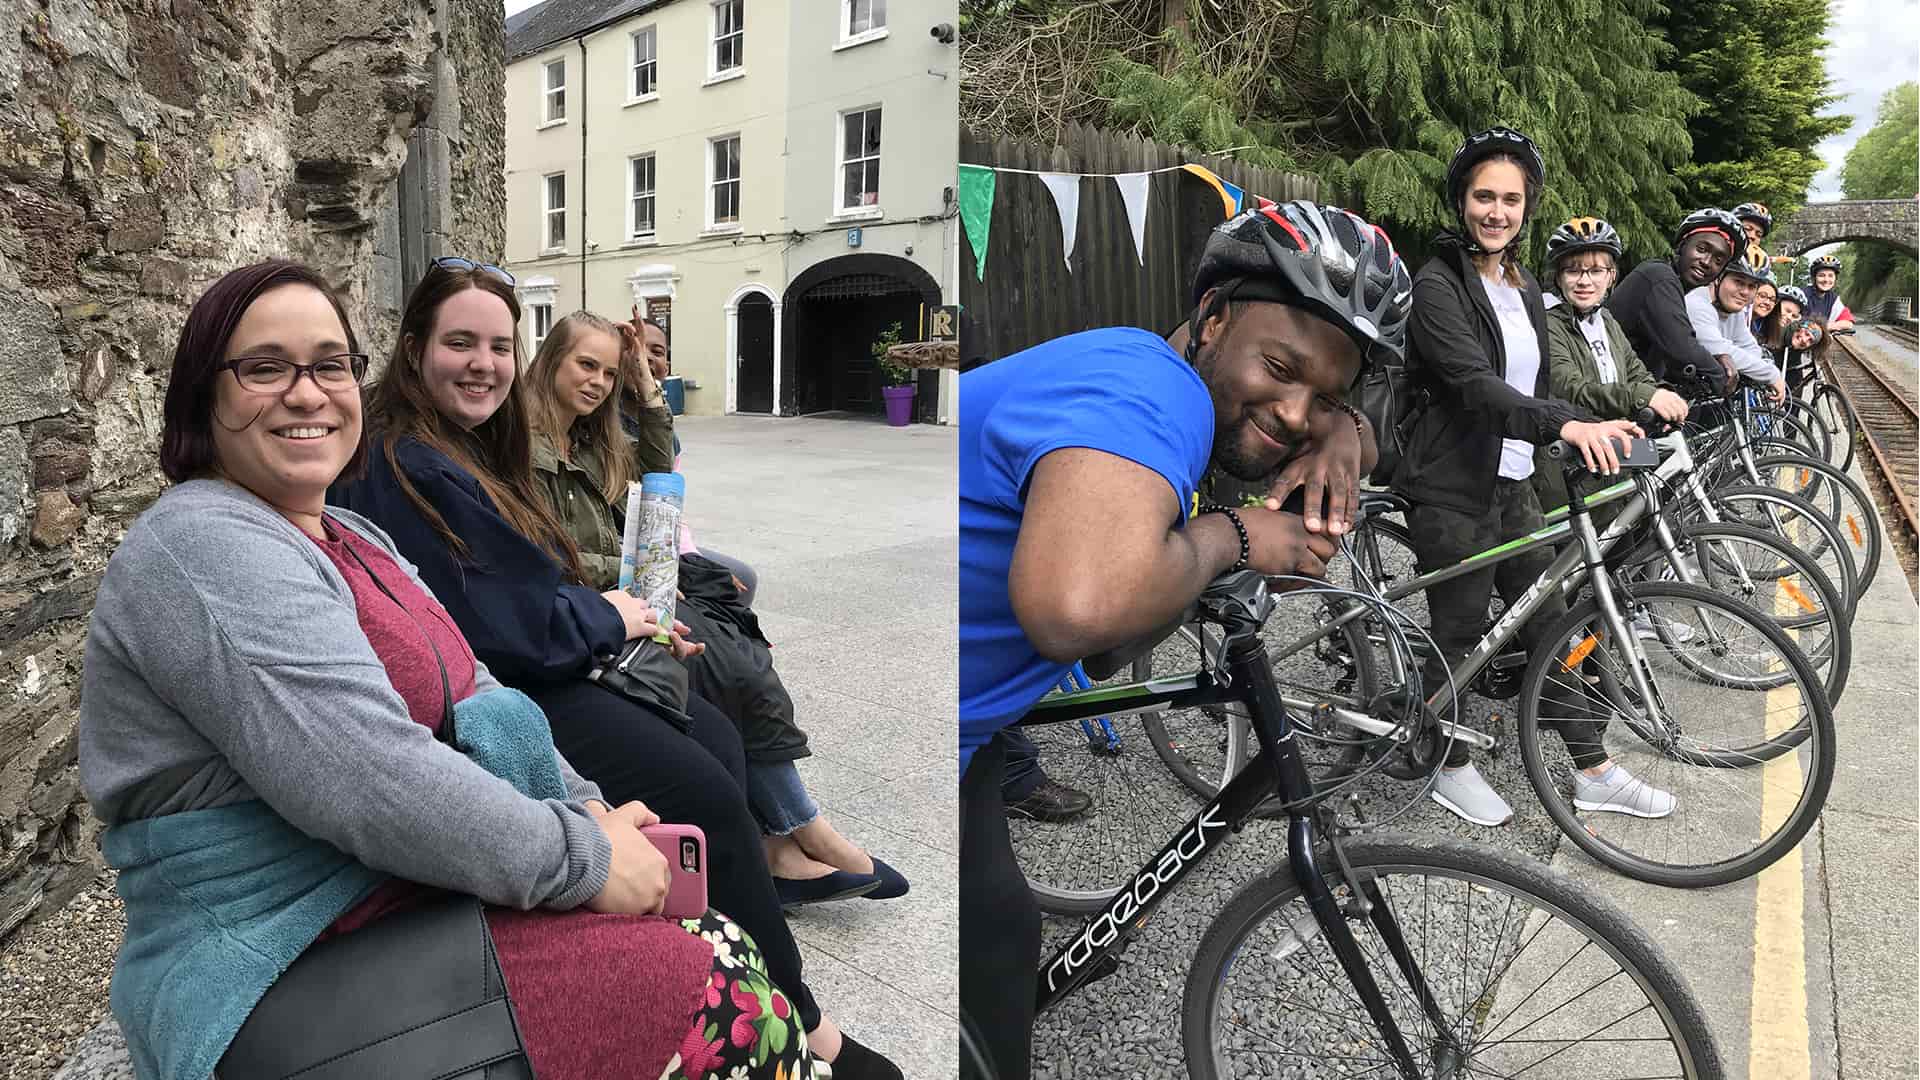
(266, 691)
(450, 477)
(584, 462)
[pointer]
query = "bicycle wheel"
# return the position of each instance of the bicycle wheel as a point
(1520, 965)
(1835, 495)
(1831, 408)
(1780, 583)
(1794, 521)
(1742, 753)
(1205, 746)
(1378, 557)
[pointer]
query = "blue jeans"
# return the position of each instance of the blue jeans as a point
(779, 797)
(1023, 774)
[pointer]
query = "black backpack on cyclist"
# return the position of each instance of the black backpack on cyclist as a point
(1392, 398)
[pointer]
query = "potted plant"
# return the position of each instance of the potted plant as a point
(896, 379)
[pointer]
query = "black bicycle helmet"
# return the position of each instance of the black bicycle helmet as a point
(1709, 218)
(1824, 262)
(1582, 234)
(1485, 144)
(1752, 263)
(1325, 259)
(1794, 293)
(1757, 213)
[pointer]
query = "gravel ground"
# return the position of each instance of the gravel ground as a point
(53, 981)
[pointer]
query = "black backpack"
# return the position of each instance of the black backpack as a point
(1391, 397)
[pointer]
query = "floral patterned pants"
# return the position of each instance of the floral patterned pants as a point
(746, 1028)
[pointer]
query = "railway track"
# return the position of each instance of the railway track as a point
(1888, 422)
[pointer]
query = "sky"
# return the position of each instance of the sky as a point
(515, 7)
(1875, 46)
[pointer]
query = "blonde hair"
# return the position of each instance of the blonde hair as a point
(600, 430)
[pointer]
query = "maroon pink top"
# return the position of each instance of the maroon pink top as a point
(595, 995)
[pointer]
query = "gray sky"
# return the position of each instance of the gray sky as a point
(515, 7)
(1875, 46)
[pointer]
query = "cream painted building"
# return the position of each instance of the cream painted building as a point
(774, 179)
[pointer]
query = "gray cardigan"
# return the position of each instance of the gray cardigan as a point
(225, 662)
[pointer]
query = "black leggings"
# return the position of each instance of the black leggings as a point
(696, 779)
(1458, 608)
(999, 922)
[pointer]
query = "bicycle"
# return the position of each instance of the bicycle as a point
(1372, 955)
(1342, 691)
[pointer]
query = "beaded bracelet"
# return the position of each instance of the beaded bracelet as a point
(1352, 413)
(1246, 548)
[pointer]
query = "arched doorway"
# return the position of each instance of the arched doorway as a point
(753, 359)
(834, 311)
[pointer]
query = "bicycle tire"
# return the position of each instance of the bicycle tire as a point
(1814, 481)
(1793, 521)
(1713, 760)
(1484, 874)
(1833, 410)
(1814, 605)
(1174, 745)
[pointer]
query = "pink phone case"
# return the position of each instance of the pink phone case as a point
(685, 848)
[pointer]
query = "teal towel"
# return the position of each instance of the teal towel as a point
(220, 902)
(505, 733)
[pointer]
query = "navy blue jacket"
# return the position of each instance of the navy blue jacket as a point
(510, 599)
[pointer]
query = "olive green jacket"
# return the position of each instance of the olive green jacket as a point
(1576, 379)
(572, 490)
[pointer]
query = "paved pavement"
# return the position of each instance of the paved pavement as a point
(1806, 972)
(851, 525)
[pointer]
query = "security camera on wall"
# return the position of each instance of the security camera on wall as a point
(943, 33)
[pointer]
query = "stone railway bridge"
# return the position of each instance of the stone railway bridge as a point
(1895, 222)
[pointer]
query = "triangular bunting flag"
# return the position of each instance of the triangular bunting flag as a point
(1228, 204)
(976, 212)
(1238, 196)
(1066, 199)
(1133, 192)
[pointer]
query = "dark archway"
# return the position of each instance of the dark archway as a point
(753, 367)
(832, 313)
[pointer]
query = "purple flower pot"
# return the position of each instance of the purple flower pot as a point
(899, 404)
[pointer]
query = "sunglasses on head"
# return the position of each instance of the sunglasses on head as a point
(455, 262)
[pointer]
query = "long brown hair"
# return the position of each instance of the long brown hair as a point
(498, 452)
(599, 430)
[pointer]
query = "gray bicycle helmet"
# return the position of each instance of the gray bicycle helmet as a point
(1756, 213)
(1322, 258)
(1794, 293)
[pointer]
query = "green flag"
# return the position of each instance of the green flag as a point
(976, 212)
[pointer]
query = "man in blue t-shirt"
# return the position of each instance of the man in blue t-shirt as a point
(1080, 460)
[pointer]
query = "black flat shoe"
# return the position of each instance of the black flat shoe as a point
(892, 882)
(857, 1062)
(839, 885)
(1051, 802)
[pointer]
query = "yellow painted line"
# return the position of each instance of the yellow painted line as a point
(1780, 1047)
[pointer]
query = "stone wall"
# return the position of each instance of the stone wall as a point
(146, 147)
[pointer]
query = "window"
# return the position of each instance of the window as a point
(555, 91)
(640, 197)
(542, 324)
(724, 173)
(556, 232)
(646, 72)
(862, 16)
(729, 35)
(859, 159)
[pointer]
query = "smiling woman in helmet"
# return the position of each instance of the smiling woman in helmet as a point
(1479, 337)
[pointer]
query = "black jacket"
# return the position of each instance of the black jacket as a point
(1459, 357)
(1650, 304)
(736, 670)
(524, 620)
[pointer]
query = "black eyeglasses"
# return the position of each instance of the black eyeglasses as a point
(275, 375)
(455, 262)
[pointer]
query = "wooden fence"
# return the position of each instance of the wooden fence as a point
(1029, 295)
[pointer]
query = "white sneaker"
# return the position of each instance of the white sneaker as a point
(1465, 792)
(1677, 633)
(1620, 793)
